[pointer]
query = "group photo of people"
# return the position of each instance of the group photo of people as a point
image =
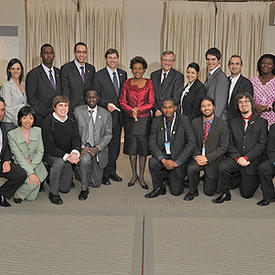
(58, 125)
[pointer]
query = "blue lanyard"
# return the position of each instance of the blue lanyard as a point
(172, 127)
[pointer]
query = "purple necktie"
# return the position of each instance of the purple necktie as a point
(52, 80)
(82, 73)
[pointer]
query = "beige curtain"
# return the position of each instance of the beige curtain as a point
(241, 30)
(188, 29)
(102, 26)
(51, 21)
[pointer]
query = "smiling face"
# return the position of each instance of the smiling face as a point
(235, 66)
(212, 62)
(81, 54)
(27, 122)
(91, 98)
(267, 66)
(15, 71)
(112, 61)
(245, 106)
(207, 108)
(168, 108)
(61, 110)
(167, 62)
(191, 74)
(138, 70)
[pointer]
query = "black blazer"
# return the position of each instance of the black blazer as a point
(72, 84)
(40, 92)
(5, 153)
(251, 143)
(191, 102)
(172, 86)
(182, 139)
(271, 145)
(216, 144)
(243, 85)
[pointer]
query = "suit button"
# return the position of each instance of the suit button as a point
(243, 147)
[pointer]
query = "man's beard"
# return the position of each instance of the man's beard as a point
(208, 115)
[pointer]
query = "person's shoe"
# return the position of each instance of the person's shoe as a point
(55, 199)
(265, 202)
(143, 185)
(106, 182)
(155, 193)
(190, 196)
(17, 200)
(132, 183)
(225, 196)
(4, 202)
(83, 195)
(115, 178)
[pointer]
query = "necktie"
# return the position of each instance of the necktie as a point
(206, 81)
(245, 124)
(82, 73)
(164, 77)
(51, 79)
(115, 83)
(205, 134)
(91, 129)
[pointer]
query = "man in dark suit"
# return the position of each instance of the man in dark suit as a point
(167, 82)
(217, 82)
(237, 84)
(43, 83)
(108, 83)
(171, 143)
(14, 174)
(247, 143)
(212, 138)
(77, 76)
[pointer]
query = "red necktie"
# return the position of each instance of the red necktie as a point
(205, 134)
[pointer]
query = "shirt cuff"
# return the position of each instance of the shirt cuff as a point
(160, 158)
(178, 163)
(76, 151)
(65, 157)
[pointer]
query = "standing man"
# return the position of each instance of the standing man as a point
(77, 76)
(217, 83)
(43, 83)
(237, 84)
(95, 128)
(108, 83)
(14, 174)
(167, 82)
(247, 143)
(212, 138)
(171, 143)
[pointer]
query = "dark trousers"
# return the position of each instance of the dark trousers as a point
(266, 174)
(175, 177)
(15, 178)
(193, 173)
(248, 184)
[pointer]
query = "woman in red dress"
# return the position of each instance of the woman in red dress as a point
(137, 99)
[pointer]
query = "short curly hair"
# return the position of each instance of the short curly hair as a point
(138, 59)
(259, 63)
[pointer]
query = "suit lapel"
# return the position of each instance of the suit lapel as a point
(166, 82)
(251, 123)
(75, 71)
(110, 81)
(57, 79)
(45, 77)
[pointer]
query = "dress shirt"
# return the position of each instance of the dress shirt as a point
(214, 70)
(47, 71)
(94, 112)
(211, 121)
(232, 86)
(184, 93)
(78, 67)
(110, 71)
(162, 75)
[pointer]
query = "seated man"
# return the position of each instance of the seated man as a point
(247, 143)
(14, 174)
(62, 147)
(212, 137)
(267, 169)
(171, 143)
(95, 128)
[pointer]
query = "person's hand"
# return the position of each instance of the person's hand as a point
(171, 164)
(6, 167)
(93, 151)
(201, 160)
(34, 180)
(243, 162)
(110, 107)
(73, 158)
(135, 113)
(158, 113)
(261, 108)
(84, 151)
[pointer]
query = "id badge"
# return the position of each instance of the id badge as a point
(167, 148)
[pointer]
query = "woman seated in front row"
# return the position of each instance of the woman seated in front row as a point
(27, 151)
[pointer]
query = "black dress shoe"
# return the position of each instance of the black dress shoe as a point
(55, 199)
(265, 202)
(106, 182)
(155, 193)
(17, 200)
(132, 183)
(190, 196)
(4, 202)
(83, 195)
(115, 177)
(143, 185)
(226, 196)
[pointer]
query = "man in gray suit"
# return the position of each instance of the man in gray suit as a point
(167, 82)
(217, 82)
(212, 138)
(95, 128)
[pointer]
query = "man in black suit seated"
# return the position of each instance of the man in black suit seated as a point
(14, 174)
(108, 82)
(77, 76)
(267, 169)
(237, 84)
(171, 143)
(247, 143)
(212, 138)
(43, 83)
(167, 82)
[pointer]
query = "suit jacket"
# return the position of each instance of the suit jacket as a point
(191, 105)
(217, 87)
(172, 86)
(72, 84)
(34, 149)
(40, 92)
(243, 85)
(182, 139)
(251, 143)
(102, 130)
(104, 85)
(5, 153)
(271, 145)
(216, 144)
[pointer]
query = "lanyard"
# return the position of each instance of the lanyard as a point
(172, 127)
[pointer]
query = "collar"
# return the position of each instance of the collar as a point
(90, 109)
(214, 70)
(57, 118)
(247, 117)
(211, 120)
(78, 65)
(162, 71)
(235, 78)
(110, 71)
(46, 69)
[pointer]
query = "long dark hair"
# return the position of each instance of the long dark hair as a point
(10, 64)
